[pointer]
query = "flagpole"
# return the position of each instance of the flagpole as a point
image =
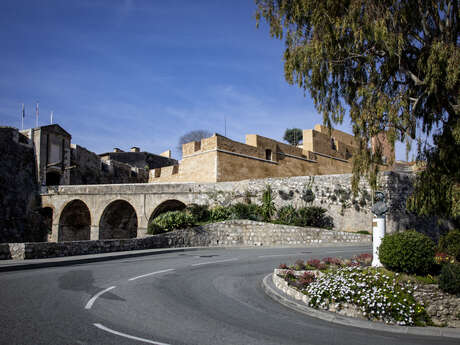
(22, 116)
(36, 113)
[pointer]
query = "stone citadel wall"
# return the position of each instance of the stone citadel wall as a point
(19, 198)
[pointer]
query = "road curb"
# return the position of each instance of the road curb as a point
(273, 292)
(18, 265)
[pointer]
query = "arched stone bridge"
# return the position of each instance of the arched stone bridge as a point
(92, 212)
(125, 210)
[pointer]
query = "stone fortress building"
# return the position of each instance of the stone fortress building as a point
(213, 159)
(53, 190)
(58, 162)
(219, 159)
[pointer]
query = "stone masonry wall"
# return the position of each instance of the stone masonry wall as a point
(89, 168)
(234, 233)
(332, 192)
(19, 218)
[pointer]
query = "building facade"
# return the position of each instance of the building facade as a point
(219, 159)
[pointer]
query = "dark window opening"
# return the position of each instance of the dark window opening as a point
(347, 154)
(268, 155)
(53, 178)
(333, 146)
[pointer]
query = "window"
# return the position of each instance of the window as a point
(268, 154)
(333, 146)
(52, 178)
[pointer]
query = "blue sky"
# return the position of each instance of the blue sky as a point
(122, 73)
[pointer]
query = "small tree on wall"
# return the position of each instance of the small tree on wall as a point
(293, 136)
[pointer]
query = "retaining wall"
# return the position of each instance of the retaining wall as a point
(233, 233)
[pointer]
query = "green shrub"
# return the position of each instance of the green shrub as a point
(239, 211)
(450, 244)
(199, 212)
(314, 216)
(409, 252)
(449, 279)
(268, 207)
(287, 215)
(169, 221)
(364, 232)
(245, 211)
(219, 213)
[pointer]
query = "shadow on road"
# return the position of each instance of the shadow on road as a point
(83, 280)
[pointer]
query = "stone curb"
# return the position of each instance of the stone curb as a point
(272, 291)
(16, 265)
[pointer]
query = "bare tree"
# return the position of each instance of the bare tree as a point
(195, 135)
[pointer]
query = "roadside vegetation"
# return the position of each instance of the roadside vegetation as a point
(411, 260)
(194, 215)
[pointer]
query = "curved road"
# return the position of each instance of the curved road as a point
(206, 297)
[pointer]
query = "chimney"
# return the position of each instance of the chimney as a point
(135, 149)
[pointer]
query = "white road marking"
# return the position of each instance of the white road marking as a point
(151, 274)
(98, 325)
(213, 262)
(93, 299)
(275, 255)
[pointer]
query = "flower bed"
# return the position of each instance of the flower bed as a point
(352, 288)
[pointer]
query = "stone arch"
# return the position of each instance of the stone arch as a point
(165, 206)
(74, 222)
(119, 220)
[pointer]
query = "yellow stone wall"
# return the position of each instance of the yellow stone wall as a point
(218, 158)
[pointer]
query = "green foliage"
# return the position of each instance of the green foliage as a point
(364, 232)
(268, 207)
(170, 220)
(199, 212)
(308, 196)
(245, 211)
(443, 172)
(306, 216)
(409, 252)
(376, 294)
(393, 67)
(219, 213)
(449, 279)
(314, 216)
(293, 136)
(450, 244)
(287, 215)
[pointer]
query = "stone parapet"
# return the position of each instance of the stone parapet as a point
(233, 233)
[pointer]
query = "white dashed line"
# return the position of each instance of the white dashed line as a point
(151, 274)
(93, 299)
(98, 325)
(213, 262)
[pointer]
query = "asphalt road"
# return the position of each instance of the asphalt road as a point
(202, 297)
